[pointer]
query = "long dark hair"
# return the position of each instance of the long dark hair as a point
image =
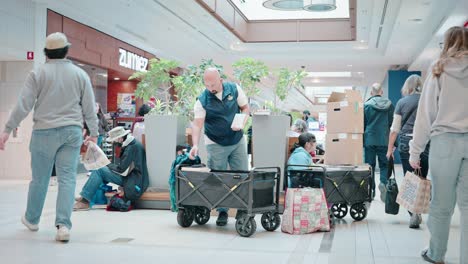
(303, 139)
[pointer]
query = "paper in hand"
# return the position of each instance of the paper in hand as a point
(239, 121)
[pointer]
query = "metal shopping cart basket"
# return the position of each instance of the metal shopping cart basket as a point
(250, 192)
(343, 185)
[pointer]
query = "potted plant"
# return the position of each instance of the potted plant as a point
(287, 80)
(249, 72)
(164, 129)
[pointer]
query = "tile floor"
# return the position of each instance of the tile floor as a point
(152, 236)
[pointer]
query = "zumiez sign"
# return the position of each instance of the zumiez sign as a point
(132, 61)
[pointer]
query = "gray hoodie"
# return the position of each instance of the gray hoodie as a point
(61, 94)
(442, 107)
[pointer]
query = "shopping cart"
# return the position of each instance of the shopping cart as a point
(343, 185)
(250, 192)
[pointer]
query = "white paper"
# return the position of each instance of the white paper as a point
(94, 157)
(239, 121)
(344, 104)
(342, 136)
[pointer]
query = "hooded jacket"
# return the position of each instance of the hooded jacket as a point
(378, 118)
(442, 107)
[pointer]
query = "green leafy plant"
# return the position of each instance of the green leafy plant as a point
(189, 86)
(156, 82)
(249, 73)
(287, 80)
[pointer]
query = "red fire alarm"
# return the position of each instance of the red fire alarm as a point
(30, 55)
(466, 24)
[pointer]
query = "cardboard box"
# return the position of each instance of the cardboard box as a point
(345, 112)
(344, 149)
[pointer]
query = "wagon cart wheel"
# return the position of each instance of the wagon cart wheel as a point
(246, 226)
(339, 210)
(358, 211)
(270, 221)
(202, 215)
(185, 217)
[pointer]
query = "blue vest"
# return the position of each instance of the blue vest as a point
(219, 115)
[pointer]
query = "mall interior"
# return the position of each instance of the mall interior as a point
(313, 62)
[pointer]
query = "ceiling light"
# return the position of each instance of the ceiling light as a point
(116, 78)
(319, 5)
(328, 74)
(80, 64)
(350, 65)
(316, 80)
(285, 5)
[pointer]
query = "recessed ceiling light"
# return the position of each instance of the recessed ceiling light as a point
(316, 80)
(362, 41)
(350, 65)
(116, 78)
(416, 20)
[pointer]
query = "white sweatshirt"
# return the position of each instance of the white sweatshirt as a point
(442, 109)
(61, 94)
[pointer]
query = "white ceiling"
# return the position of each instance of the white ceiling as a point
(183, 30)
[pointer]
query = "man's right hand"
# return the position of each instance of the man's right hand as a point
(193, 152)
(3, 139)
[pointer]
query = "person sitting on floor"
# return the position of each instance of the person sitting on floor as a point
(131, 172)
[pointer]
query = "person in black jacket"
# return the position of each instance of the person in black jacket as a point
(131, 172)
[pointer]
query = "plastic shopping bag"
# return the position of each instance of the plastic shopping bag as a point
(94, 157)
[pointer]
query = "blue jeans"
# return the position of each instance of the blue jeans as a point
(379, 152)
(98, 177)
(220, 156)
(448, 161)
(48, 146)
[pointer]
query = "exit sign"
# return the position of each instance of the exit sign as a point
(30, 55)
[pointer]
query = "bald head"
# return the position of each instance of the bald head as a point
(212, 80)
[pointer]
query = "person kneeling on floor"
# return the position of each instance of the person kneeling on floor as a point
(131, 173)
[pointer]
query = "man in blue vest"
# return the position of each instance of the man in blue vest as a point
(215, 109)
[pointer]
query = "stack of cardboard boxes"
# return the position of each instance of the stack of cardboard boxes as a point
(345, 128)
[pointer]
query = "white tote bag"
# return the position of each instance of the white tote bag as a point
(415, 193)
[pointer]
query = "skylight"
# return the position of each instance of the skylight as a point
(254, 10)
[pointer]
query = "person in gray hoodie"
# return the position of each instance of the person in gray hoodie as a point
(442, 118)
(378, 117)
(61, 94)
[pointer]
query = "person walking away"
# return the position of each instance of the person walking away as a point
(442, 118)
(378, 117)
(61, 94)
(402, 129)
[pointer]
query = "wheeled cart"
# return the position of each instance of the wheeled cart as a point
(250, 192)
(343, 185)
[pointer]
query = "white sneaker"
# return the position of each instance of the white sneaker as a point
(30, 226)
(63, 234)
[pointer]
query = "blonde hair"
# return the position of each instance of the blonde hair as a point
(455, 46)
(412, 85)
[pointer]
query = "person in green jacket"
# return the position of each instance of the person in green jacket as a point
(378, 118)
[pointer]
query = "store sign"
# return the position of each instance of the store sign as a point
(132, 61)
(30, 55)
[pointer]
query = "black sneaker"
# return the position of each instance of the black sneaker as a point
(222, 219)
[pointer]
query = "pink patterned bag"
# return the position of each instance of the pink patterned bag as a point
(415, 193)
(305, 211)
